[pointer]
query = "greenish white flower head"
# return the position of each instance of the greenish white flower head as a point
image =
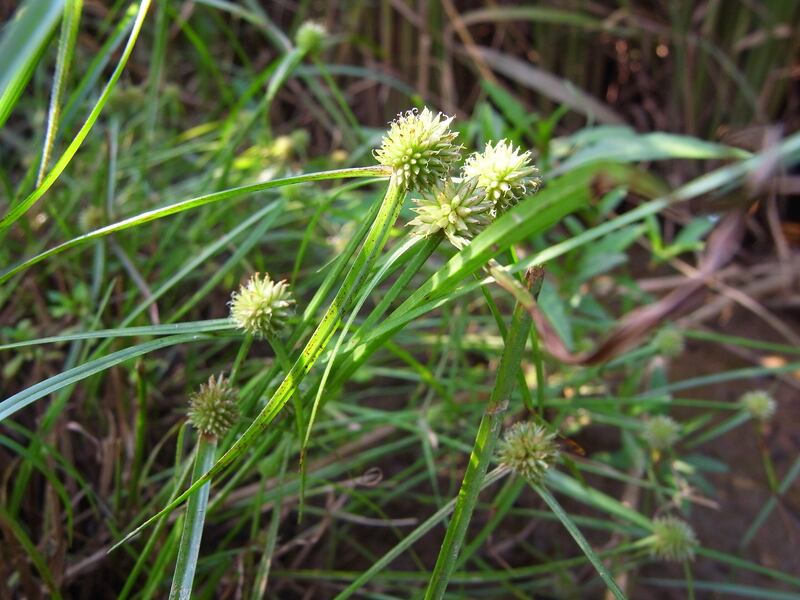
(213, 409)
(759, 404)
(660, 432)
(528, 449)
(505, 173)
(460, 210)
(669, 341)
(673, 540)
(262, 306)
(420, 148)
(310, 36)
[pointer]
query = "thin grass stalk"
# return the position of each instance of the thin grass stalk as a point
(576, 534)
(194, 520)
(66, 48)
(264, 566)
(482, 451)
(180, 475)
(383, 562)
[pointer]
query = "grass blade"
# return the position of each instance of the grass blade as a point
(581, 541)
(194, 520)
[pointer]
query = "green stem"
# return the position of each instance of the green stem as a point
(189, 548)
(482, 451)
(363, 263)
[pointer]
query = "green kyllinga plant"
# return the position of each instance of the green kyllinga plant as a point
(419, 150)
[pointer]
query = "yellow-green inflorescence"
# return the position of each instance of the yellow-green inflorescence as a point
(262, 306)
(505, 174)
(660, 432)
(529, 450)
(669, 342)
(310, 36)
(213, 409)
(759, 404)
(672, 540)
(420, 148)
(460, 210)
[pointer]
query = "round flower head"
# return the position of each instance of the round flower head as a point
(310, 36)
(529, 450)
(669, 341)
(672, 539)
(505, 173)
(262, 306)
(759, 404)
(459, 209)
(660, 432)
(419, 148)
(212, 409)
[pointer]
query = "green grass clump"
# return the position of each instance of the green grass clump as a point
(526, 266)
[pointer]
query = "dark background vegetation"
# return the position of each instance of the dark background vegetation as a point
(725, 71)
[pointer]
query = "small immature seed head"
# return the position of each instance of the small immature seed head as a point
(310, 36)
(528, 449)
(459, 209)
(420, 149)
(212, 409)
(669, 342)
(505, 173)
(262, 306)
(673, 539)
(660, 432)
(759, 404)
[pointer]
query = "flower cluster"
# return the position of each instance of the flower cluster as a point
(460, 210)
(528, 449)
(669, 342)
(759, 404)
(504, 173)
(213, 409)
(420, 148)
(660, 432)
(672, 540)
(310, 37)
(262, 306)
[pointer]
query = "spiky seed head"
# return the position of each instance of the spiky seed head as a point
(760, 404)
(460, 210)
(310, 36)
(669, 342)
(262, 306)
(505, 173)
(660, 432)
(528, 449)
(212, 408)
(673, 539)
(420, 148)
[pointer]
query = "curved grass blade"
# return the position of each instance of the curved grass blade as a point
(165, 211)
(22, 399)
(211, 325)
(20, 209)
